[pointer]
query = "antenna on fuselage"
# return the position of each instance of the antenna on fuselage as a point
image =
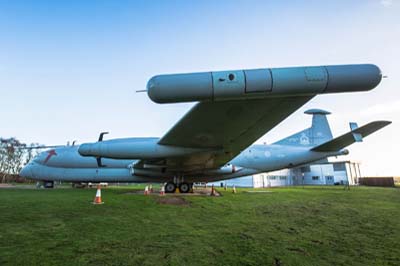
(98, 159)
(102, 135)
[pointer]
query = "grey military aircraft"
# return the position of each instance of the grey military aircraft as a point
(213, 140)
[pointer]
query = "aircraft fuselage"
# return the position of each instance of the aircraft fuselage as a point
(66, 164)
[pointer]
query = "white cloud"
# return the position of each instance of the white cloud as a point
(386, 108)
(386, 3)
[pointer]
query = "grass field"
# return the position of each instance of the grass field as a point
(288, 226)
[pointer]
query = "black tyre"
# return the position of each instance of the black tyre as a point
(184, 188)
(48, 184)
(170, 187)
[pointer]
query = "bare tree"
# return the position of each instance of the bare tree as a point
(13, 156)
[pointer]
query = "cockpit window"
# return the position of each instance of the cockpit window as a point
(45, 156)
(39, 158)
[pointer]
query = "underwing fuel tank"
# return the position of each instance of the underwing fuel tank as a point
(262, 83)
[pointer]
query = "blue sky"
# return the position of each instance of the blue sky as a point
(69, 69)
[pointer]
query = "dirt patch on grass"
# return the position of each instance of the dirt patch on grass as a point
(173, 201)
(196, 192)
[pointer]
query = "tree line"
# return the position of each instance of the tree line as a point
(13, 156)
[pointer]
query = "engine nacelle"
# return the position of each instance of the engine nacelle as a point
(262, 83)
(134, 148)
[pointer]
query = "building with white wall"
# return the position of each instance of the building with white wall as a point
(343, 172)
(329, 173)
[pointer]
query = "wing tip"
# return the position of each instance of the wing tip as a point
(383, 123)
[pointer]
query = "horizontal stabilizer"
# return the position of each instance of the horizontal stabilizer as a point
(355, 135)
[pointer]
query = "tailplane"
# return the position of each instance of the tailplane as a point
(318, 133)
(355, 135)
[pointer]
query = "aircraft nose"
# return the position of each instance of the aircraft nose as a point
(26, 172)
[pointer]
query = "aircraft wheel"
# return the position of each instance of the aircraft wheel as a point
(184, 187)
(48, 184)
(170, 187)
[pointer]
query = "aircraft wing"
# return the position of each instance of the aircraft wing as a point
(349, 138)
(229, 126)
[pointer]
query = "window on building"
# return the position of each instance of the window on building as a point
(329, 177)
(282, 177)
(339, 167)
(315, 177)
(272, 177)
(305, 169)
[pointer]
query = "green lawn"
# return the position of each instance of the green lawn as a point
(293, 226)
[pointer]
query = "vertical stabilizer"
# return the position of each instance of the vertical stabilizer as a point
(318, 133)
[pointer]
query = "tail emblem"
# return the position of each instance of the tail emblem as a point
(304, 140)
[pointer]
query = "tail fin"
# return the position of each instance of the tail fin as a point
(318, 133)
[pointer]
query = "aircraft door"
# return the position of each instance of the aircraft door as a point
(329, 179)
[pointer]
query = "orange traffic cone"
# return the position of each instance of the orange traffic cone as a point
(146, 190)
(234, 189)
(97, 199)
(212, 191)
(162, 190)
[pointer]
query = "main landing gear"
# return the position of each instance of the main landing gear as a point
(170, 187)
(184, 187)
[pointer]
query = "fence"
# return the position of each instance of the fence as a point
(376, 181)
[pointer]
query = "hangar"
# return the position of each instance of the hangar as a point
(331, 173)
(323, 173)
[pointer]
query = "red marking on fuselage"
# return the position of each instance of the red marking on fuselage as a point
(51, 153)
